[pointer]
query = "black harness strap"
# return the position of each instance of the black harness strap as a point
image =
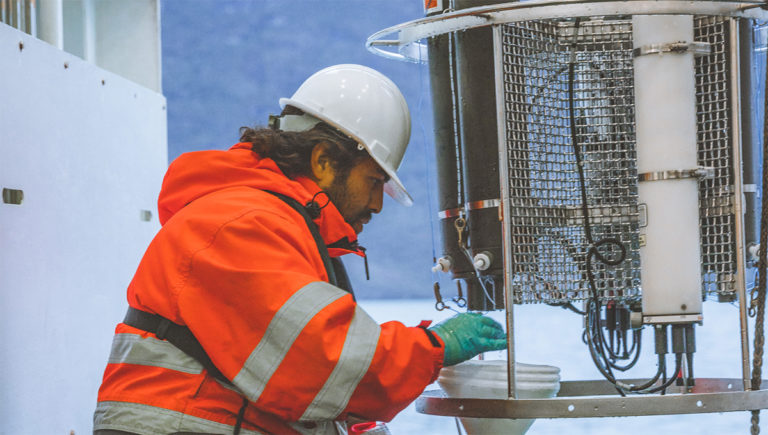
(178, 335)
(302, 210)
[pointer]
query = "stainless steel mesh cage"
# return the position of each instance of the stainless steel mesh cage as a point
(715, 151)
(547, 225)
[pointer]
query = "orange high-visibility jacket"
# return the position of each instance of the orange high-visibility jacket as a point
(240, 269)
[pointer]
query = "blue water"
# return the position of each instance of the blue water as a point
(552, 336)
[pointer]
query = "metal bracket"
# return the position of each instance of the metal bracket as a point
(697, 48)
(677, 174)
(673, 319)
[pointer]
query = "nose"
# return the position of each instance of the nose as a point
(376, 201)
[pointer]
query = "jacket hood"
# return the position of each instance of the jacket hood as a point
(196, 174)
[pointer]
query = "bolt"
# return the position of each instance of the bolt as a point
(683, 307)
(21, 46)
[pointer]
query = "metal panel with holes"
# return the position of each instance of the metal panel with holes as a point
(83, 155)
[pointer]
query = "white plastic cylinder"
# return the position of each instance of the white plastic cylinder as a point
(665, 116)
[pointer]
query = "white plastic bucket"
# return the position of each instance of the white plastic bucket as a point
(487, 379)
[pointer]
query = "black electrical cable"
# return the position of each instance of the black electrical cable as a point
(594, 338)
(636, 342)
(567, 306)
(632, 363)
(653, 380)
(642, 389)
(593, 334)
(665, 385)
(596, 351)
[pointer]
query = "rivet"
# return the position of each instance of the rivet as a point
(103, 82)
(21, 46)
(66, 65)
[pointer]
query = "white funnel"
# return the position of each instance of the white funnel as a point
(486, 379)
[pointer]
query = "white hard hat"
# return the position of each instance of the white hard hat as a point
(368, 107)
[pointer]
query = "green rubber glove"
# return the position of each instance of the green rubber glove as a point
(468, 334)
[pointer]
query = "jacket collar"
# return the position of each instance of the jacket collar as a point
(338, 235)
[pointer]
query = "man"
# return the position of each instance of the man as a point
(241, 319)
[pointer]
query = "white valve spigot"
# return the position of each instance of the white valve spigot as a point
(754, 251)
(482, 261)
(444, 264)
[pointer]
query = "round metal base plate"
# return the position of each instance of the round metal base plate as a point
(582, 399)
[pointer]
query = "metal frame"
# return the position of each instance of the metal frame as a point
(413, 31)
(504, 210)
(737, 203)
(581, 399)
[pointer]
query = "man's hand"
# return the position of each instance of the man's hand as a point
(468, 334)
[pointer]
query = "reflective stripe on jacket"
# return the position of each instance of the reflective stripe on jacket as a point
(239, 267)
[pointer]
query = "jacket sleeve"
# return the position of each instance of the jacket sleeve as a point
(257, 299)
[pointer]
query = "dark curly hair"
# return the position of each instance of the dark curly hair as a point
(292, 151)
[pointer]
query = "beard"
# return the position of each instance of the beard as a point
(338, 192)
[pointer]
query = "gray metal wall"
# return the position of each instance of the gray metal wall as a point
(88, 149)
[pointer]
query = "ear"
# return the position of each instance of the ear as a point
(322, 170)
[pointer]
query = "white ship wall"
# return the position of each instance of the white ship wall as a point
(88, 149)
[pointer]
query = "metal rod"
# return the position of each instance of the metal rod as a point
(737, 199)
(505, 208)
(89, 31)
(21, 15)
(13, 14)
(31, 15)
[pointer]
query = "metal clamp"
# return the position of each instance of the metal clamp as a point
(475, 205)
(677, 174)
(452, 212)
(697, 48)
(486, 203)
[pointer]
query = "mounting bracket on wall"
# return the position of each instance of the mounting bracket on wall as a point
(13, 196)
